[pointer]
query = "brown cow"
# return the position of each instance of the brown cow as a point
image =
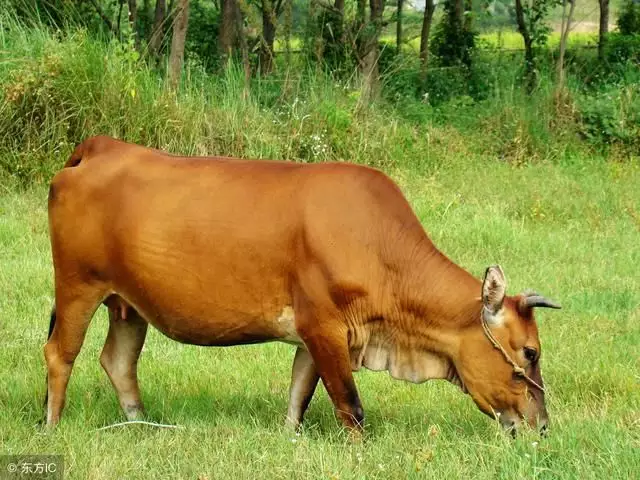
(328, 257)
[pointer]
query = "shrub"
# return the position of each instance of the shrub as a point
(623, 48)
(629, 19)
(612, 116)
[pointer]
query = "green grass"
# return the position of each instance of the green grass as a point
(571, 230)
(499, 177)
(510, 39)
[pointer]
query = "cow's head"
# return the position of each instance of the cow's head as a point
(499, 357)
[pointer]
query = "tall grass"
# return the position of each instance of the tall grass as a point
(61, 86)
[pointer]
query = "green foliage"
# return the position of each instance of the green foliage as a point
(492, 14)
(612, 116)
(629, 19)
(331, 28)
(623, 49)
(536, 13)
(58, 87)
(453, 41)
(202, 37)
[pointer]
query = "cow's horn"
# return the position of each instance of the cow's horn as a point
(535, 300)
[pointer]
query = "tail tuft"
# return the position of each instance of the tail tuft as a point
(52, 321)
(52, 324)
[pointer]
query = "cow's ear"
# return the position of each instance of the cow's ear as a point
(494, 288)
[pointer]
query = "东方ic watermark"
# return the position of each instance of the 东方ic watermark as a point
(18, 467)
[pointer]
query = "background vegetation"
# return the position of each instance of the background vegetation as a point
(504, 159)
(66, 76)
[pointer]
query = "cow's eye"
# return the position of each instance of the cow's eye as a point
(530, 354)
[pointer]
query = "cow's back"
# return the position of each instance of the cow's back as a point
(187, 240)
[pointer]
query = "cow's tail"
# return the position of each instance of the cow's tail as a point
(76, 156)
(52, 324)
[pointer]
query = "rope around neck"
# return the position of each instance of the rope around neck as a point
(518, 370)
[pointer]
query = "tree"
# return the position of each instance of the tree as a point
(228, 34)
(564, 36)
(244, 48)
(427, 20)
(529, 59)
(233, 37)
(133, 21)
(157, 32)
(455, 40)
(103, 16)
(399, 26)
(371, 51)
(629, 19)
(271, 10)
(328, 31)
(604, 27)
(531, 25)
(176, 57)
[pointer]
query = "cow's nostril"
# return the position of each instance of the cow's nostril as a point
(544, 430)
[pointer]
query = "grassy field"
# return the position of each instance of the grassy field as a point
(571, 230)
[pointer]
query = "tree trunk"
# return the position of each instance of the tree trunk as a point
(244, 48)
(459, 13)
(427, 20)
(564, 36)
(371, 85)
(604, 27)
(157, 34)
(227, 28)
(468, 7)
(339, 22)
(133, 21)
(361, 14)
(176, 57)
(120, 18)
(268, 37)
(288, 26)
(145, 21)
(529, 59)
(399, 26)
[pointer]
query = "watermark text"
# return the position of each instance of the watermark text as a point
(19, 467)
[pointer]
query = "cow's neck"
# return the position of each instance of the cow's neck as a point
(438, 299)
(432, 302)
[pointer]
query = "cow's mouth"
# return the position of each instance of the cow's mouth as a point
(455, 378)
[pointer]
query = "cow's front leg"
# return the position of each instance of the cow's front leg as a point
(304, 378)
(326, 341)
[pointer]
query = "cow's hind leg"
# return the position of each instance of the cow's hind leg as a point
(75, 305)
(304, 378)
(119, 358)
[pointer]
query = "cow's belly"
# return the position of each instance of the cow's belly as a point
(204, 297)
(210, 325)
(212, 332)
